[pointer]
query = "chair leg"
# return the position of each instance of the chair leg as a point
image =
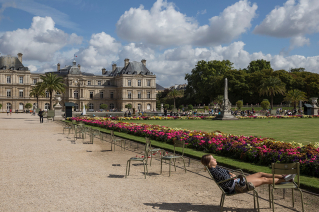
(144, 169)
(184, 164)
(175, 164)
(293, 199)
(269, 196)
(223, 199)
(151, 158)
(169, 168)
(272, 200)
(126, 169)
(161, 165)
(257, 198)
(301, 200)
(254, 200)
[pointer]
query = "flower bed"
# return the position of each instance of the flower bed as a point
(278, 117)
(121, 118)
(263, 151)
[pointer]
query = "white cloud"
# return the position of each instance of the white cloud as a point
(39, 42)
(294, 19)
(202, 12)
(163, 25)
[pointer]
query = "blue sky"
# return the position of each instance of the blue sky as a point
(171, 35)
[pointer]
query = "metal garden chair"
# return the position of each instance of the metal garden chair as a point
(143, 159)
(114, 140)
(282, 168)
(67, 126)
(224, 194)
(173, 157)
(152, 149)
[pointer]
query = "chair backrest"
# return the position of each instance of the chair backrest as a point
(147, 149)
(214, 180)
(112, 133)
(286, 168)
(179, 143)
(147, 140)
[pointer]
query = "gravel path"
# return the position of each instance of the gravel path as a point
(42, 169)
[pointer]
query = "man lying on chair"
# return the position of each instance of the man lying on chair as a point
(257, 179)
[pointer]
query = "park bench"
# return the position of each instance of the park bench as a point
(50, 115)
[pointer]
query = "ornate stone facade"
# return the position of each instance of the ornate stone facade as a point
(133, 84)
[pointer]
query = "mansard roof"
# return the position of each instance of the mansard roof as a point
(135, 68)
(10, 62)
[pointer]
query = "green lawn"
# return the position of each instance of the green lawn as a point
(298, 130)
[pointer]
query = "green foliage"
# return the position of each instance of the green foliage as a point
(265, 104)
(173, 94)
(180, 107)
(297, 70)
(166, 106)
(258, 65)
(103, 106)
(294, 96)
(239, 104)
(219, 100)
(206, 108)
(0, 106)
(128, 106)
(272, 86)
(37, 92)
(190, 107)
(52, 82)
(28, 105)
(171, 107)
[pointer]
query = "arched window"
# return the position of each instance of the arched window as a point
(139, 107)
(46, 106)
(148, 107)
(76, 94)
(76, 107)
(111, 106)
(91, 106)
(21, 106)
(9, 106)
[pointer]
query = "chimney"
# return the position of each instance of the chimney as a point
(58, 66)
(144, 62)
(113, 67)
(20, 57)
(103, 71)
(79, 66)
(126, 61)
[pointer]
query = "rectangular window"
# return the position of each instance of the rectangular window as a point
(101, 94)
(111, 95)
(91, 94)
(129, 95)
(108, 82)
(89, 82)
(35, 81)
(139, 83)
(8, 93)
(148, 95)
(20, 80)
(98, 82)
(20, 93)
(47, 95)
(139, 95)
(8, 79)
(148, 82)
(129, 83)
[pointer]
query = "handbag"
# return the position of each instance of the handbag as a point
(242, 186)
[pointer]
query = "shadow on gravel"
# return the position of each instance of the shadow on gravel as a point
(116, 176)
(191, 207)
(151, 173)
(107, 150)
(13, 118)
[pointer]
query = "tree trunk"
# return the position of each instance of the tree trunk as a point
(50, 100)
(174, 103)
(272, 101)
(37, 102)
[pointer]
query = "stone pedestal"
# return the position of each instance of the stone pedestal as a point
(162, 108)
(225, 116)
(314, 110)
(58, 113)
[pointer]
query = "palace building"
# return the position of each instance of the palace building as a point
(132, 84)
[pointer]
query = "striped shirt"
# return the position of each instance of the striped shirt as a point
(221, 174)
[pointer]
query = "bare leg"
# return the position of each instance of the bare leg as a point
(261, 178)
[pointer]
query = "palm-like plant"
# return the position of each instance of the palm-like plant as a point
(52, 82)
(37, 91)
(219, 100)
(173, 94)
(272, 86)
(294, 96)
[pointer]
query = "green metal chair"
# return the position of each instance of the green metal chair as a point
(114, 140)
(79, 130)
(173, 157)
(67, 126)
(152, 149)
(143, 159)
(93, 133)
(285, 168)
(224, 194)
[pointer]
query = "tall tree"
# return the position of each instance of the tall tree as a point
(219, 100)
(270, 87)
(36, 92)
(294, 96)
(52, 82)
(173, 94)
(258, 65)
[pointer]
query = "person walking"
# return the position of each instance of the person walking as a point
(41, 115)
(8, 112)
